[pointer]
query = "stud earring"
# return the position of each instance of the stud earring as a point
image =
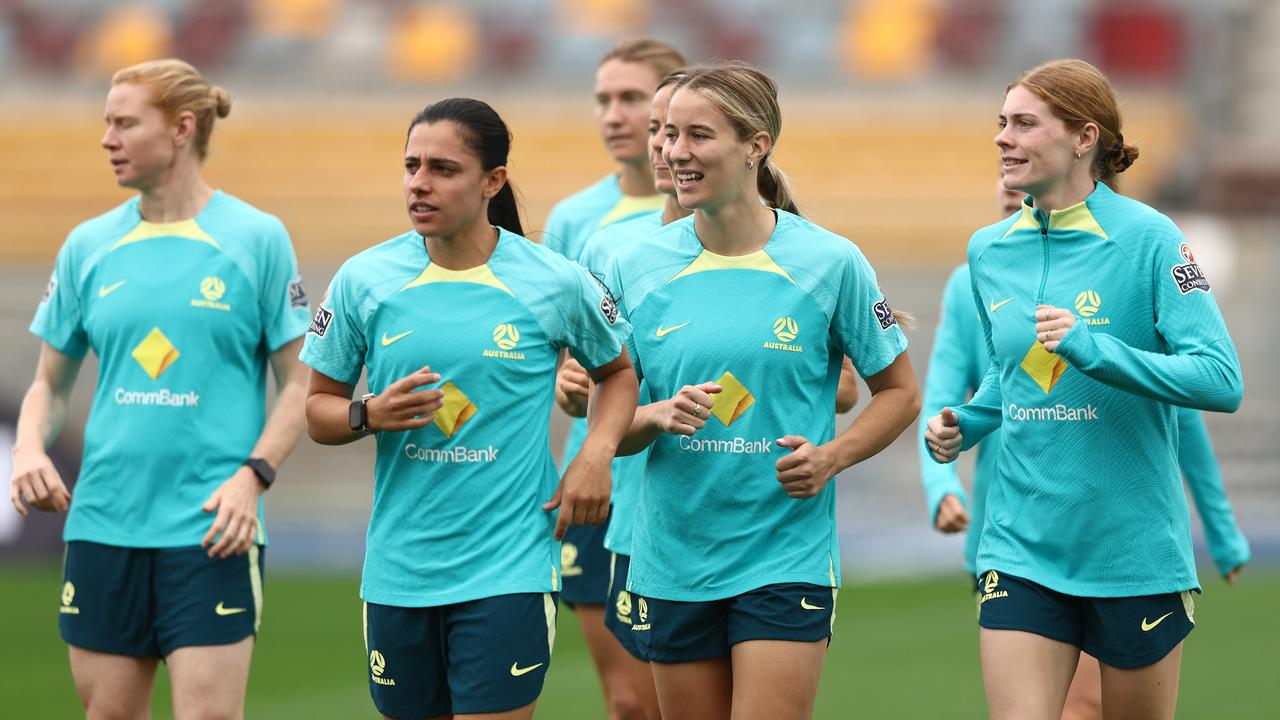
(750, 164)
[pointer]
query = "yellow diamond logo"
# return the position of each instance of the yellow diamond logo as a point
(212, 288)
(1044, 367)
(456, 411)
(733, 400)
(786, 329)
(155, 354)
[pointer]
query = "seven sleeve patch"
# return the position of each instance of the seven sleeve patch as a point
(884, 314)
(297, 294)
(1188, 275)
(320, 323)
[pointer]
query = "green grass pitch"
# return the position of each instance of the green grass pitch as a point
(901, 650)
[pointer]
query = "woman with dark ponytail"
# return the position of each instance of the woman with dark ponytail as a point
(459, 323)
(743, 315)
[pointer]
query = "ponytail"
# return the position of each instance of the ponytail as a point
(774, 188)
(504, 211)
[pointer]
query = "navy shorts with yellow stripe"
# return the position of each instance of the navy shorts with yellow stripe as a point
(672, 631)
(483, 656)
(148, 602)
(1123, 632)
(620, 614)
(584, 565)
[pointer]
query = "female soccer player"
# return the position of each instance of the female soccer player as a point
(956, 366)
(186, 295)
(742, 315)
(626, 79)
(1087, 543)
(461, 566)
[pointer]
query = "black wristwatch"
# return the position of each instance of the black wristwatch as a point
(358, 414)
(263, 470)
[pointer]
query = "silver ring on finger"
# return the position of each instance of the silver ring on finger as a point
(697, 410)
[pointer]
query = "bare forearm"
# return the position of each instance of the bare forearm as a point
(890, 412)
(284, 425)
(613, 408)
(327, 419)
(642, 432)
(41, 418)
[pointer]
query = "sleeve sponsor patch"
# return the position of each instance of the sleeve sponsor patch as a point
(608, 304)
(1188, 275)
(884, 314)
(320, 323)
(298, 294)
(49, 289)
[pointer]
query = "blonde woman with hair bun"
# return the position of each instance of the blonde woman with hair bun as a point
(188, 296)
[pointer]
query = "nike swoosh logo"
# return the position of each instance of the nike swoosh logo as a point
(997, 305)
(804, 603)
(663, 331)
(108, 289)
(388, 340)
(228, 611)
(1147, 627)
(517, 671)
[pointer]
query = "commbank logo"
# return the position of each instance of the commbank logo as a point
(733, 401)
(155, 354)
(1044, 367)
(455, 412)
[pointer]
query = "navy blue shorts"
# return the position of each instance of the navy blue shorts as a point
(1123, 632)
(620, 615)
(482, 656)
(584, 565)
(670, 631)
(148, 602)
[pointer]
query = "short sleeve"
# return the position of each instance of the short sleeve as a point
(335, 340)
(594, 328)
(59, 318)
(613, 281)
(282, 296)
(863, 325)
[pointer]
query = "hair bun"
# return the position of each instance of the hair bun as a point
(221, 101)
(1122, 158)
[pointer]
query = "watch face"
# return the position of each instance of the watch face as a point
(355, 415)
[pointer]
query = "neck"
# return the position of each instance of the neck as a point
(1071, 191)
(464, 249)
(673, 210)
(739, 227)
(180, 194)
(636, 179)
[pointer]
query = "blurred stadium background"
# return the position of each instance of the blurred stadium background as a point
(889, 109)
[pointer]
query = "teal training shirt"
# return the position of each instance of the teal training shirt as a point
(627, 471)
(571, 222)
(183, 317)
(956, 367)
(457, 505)
(1087, 498)
(772, 328)
(957, 364)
